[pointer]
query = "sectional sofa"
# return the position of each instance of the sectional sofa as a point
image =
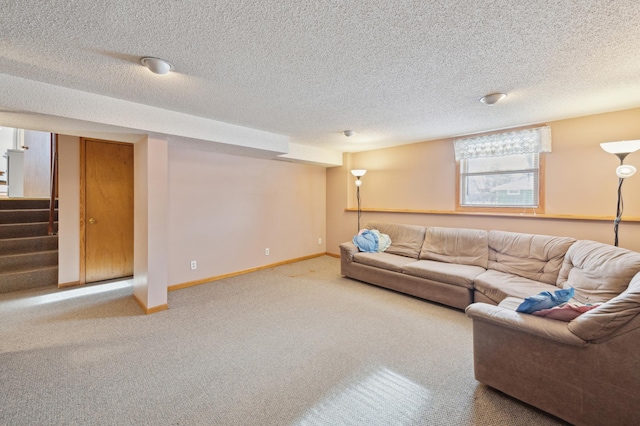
(586, 370)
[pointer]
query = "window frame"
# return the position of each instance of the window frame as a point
(505, 209)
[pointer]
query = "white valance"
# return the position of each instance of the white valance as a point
(508, 143)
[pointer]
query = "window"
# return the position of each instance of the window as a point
(502, 170)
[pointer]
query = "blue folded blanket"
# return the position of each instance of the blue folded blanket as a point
(545, 300)
(366, 241)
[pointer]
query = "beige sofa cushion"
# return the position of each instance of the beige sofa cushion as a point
(497, 286)
(406, 240)
(460, 275)
(598, 272)
(391, 262)
(537, 257)
(604, 321)
(456, 245)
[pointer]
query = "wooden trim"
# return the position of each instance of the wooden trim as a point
(83, 199)
(151, 310)
(541, 194)
(333, 255)
(246, 271)
(69, 284)
(523, 215)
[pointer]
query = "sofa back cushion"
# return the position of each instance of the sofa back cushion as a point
(537, 257)
(406, 240)
(598, 271)
(456, 245)
(604, 321)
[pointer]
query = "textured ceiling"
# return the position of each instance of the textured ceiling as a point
(394, 71)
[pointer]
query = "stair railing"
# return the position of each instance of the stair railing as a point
(54, 181)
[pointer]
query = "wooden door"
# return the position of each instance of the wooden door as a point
(108, 210)
(37, 164)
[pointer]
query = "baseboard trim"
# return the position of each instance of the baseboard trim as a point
(337, 256)
(69, 284)
(151, 310)
(246, 271)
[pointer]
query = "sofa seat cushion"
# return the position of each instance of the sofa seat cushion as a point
(390, 262)
(511, 303)
(456, 245)
(497, 286)
(448, 273)
(537, 257)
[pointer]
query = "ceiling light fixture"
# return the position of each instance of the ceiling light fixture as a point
(492, 98)
(348, 133)
(157, 65)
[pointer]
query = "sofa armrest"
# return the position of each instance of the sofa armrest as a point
(531, 324)
(347, 250)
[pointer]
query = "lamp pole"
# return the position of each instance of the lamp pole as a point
(621, 149)
(358, 174)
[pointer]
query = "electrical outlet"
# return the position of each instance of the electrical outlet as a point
(266, 252)
(194, 265)
(319, 240)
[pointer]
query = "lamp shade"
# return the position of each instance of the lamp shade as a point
(621, 147)
(624, 171)
(358, 173)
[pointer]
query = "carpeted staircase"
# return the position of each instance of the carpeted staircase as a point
(28, 255)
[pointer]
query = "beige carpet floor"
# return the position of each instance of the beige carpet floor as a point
(292, 345)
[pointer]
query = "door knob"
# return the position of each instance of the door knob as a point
(92, 221)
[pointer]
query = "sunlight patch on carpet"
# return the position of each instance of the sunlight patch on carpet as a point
(62, 295)
(384, 397)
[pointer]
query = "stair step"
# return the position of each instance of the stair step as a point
(26, 216)
(25, 203)
(28, 245)
(23, 230)
(28, 261)
(14, 281)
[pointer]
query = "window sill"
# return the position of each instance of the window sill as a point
(527, 215)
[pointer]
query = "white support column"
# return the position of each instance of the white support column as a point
(150, 271)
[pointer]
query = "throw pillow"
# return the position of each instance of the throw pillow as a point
(565, 312)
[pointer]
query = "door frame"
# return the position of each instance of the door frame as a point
(83, 199)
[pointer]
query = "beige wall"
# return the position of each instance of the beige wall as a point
(221, 211)
(580, 181)
(225, 210)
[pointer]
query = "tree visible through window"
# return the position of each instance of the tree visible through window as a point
(502, 170)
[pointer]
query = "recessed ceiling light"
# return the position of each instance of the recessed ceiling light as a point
(493, 98)
(156, 65)
(348, 133)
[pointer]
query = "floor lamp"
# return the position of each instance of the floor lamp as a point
(358, 174)
(621, 150)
